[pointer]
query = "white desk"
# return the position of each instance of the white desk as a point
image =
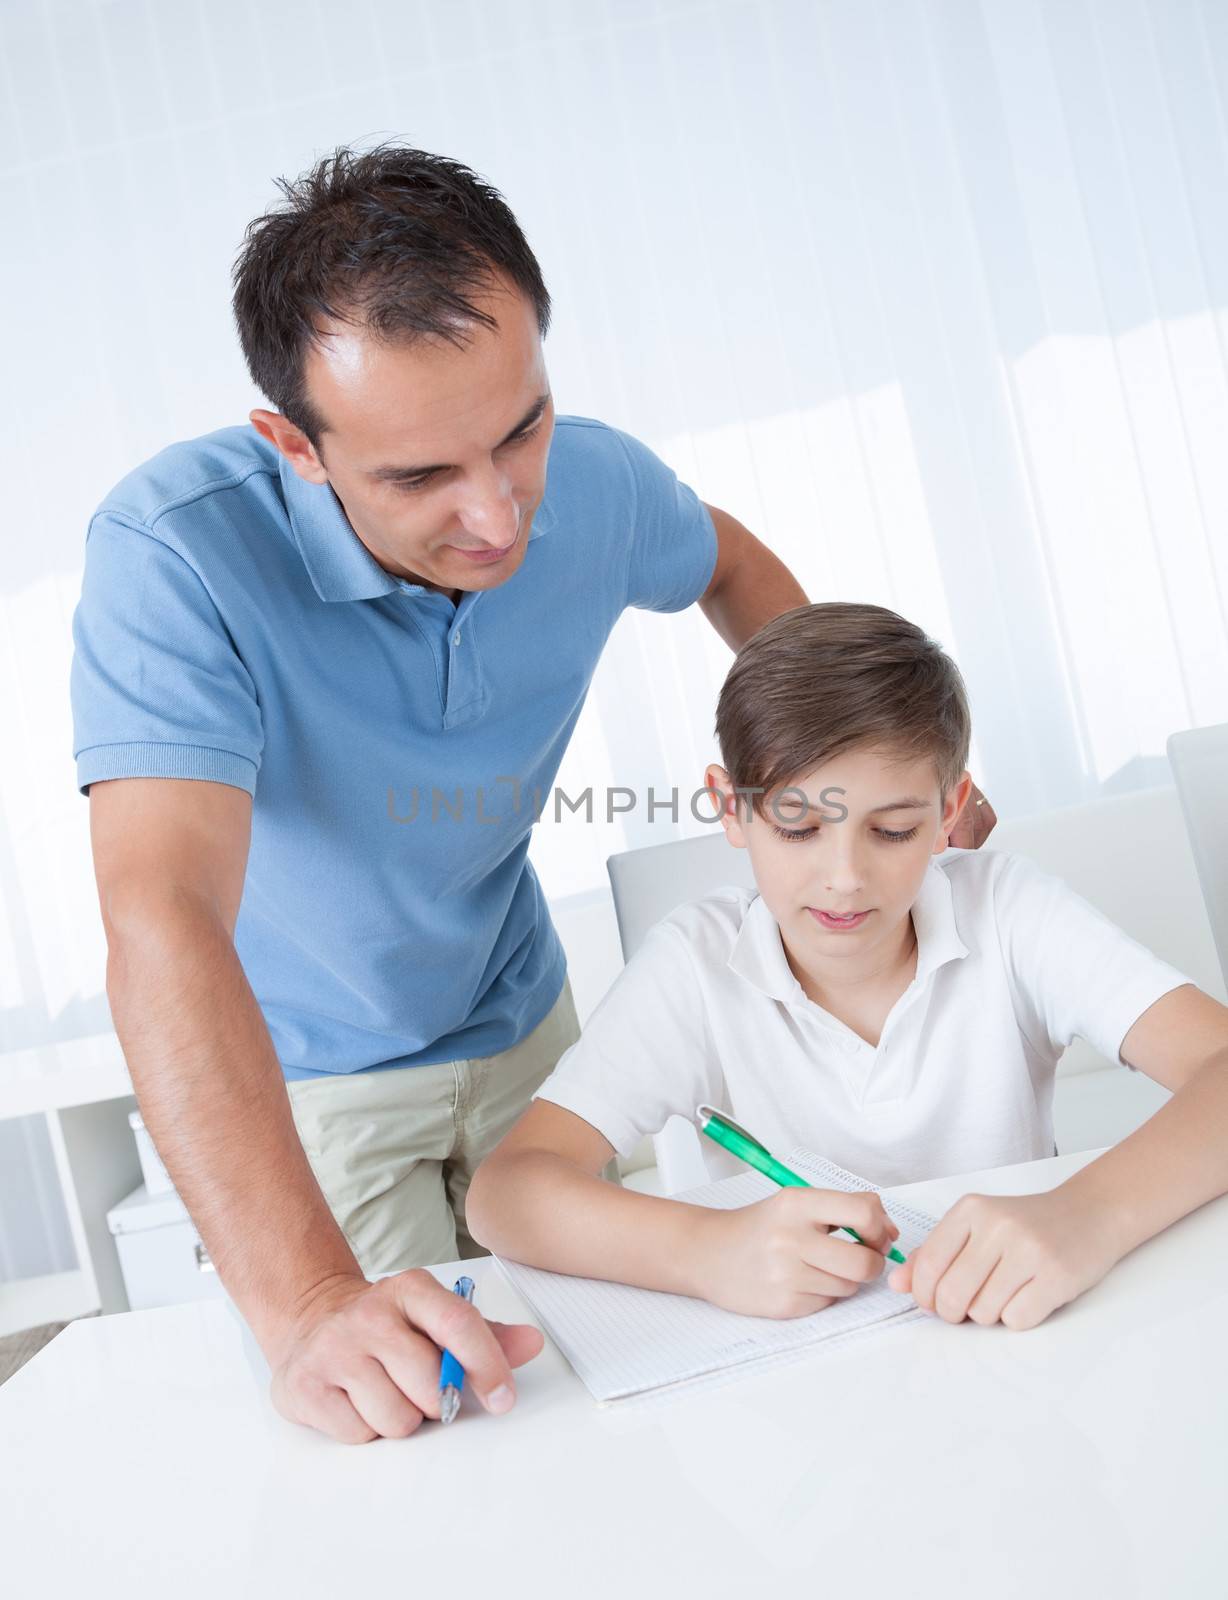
(139, 1457)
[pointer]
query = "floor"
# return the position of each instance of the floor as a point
(17, 1348)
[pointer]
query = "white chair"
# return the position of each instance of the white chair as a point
(1199, 759)
(647, 884)
(1128, 855)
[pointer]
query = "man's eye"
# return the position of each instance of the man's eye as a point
(411, 485)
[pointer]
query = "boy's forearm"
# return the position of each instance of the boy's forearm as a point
(213, 1097)
(1174, 1163)
(539, 1208)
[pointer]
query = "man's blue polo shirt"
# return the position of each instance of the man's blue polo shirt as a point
(232, 627)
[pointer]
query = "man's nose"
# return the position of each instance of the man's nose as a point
(489, 512)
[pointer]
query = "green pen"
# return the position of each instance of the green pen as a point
(725, 1131)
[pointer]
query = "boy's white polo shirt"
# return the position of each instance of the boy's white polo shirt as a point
(1011, 966)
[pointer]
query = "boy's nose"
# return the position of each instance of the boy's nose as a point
(842, 872)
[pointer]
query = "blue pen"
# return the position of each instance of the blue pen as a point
(451, 1373)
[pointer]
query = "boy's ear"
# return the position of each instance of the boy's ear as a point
(724, 801)
(951, 812)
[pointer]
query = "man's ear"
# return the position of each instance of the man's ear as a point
(292, 442)
(956, 801)
(725, 801)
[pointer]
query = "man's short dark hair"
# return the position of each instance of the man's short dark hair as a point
(821, 680)
(393, 240)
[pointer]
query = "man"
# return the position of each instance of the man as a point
(398, 580)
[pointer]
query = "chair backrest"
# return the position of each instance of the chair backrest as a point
(1199, 759)
(648, 883)
(1128, 855)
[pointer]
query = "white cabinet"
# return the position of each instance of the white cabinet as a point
(161, 1256)
(82, 1089)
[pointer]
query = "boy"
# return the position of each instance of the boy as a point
(894, 1005)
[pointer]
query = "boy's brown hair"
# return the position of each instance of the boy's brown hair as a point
(821, 680)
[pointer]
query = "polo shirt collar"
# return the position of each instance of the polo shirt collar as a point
(338, 563)
(933, 916)
(758, 953)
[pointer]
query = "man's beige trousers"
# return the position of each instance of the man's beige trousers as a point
(394, 1150)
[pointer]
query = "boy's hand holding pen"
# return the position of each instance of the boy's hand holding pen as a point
(778, 1257)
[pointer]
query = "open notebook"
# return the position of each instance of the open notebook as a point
(624, 1342)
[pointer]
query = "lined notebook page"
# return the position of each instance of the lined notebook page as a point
(624, 1341)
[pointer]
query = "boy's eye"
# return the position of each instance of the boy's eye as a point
(892, 836)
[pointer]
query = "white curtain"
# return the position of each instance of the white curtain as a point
(930, 293)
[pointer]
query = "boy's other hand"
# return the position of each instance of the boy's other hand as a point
(1007, 1258)
(975, 822)
(777, 1257)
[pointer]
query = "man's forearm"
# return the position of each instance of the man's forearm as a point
(758, 588)
(1174, 1163)
(539, 1208)
(213, 1097)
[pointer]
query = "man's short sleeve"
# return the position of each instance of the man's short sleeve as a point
(158, 688)
(672, 551)
(1073, 970)
(645, 1054)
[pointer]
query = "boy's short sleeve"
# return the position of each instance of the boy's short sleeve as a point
(672, 550)
(158, 688)
(1074, 971)
(645, 1053)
